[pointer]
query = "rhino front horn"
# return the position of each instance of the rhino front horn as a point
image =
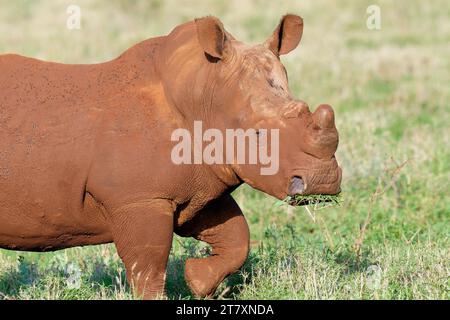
(324, 117)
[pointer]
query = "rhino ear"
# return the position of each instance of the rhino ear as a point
(212, 36)
(286, 36)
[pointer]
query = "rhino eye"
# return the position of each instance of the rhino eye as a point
(274, 85)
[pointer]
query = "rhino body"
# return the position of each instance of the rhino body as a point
(85, 150)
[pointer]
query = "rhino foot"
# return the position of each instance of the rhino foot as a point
(202, 276)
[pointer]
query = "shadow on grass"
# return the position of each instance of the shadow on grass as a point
(176, 287)
(112, 278)
(12, 281)
(26, 274)
(352, 263)
(238, 280)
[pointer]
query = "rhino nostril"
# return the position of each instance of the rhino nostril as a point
(297, 186)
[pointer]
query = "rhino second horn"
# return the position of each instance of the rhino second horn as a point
(324, 117)
(295, 109)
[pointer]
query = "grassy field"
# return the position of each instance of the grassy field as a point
(390, 90)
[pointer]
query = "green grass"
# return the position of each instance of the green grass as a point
(315, 200)
(389, 239)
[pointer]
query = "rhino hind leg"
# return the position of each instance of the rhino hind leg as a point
(143, 237)
(223, 226)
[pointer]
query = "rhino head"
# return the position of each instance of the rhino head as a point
(229, 84)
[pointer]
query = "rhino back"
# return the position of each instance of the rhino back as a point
(47, 116)
(74, 138)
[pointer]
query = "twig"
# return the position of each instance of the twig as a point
(3, 296)
(378, 192)
(327, 232)
(224, 293)
(313, 217)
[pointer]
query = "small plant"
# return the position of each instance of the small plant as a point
(312, 203)
(317, 201)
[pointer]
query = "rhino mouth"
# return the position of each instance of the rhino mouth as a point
(298, 195)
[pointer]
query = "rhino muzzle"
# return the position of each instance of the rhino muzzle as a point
(325, 179)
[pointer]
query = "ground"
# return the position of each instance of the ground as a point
(390, 90)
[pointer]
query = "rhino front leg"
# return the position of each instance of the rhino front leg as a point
(142, 233)
(223, 226)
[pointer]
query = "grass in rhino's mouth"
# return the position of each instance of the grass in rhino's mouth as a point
(316, 200)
